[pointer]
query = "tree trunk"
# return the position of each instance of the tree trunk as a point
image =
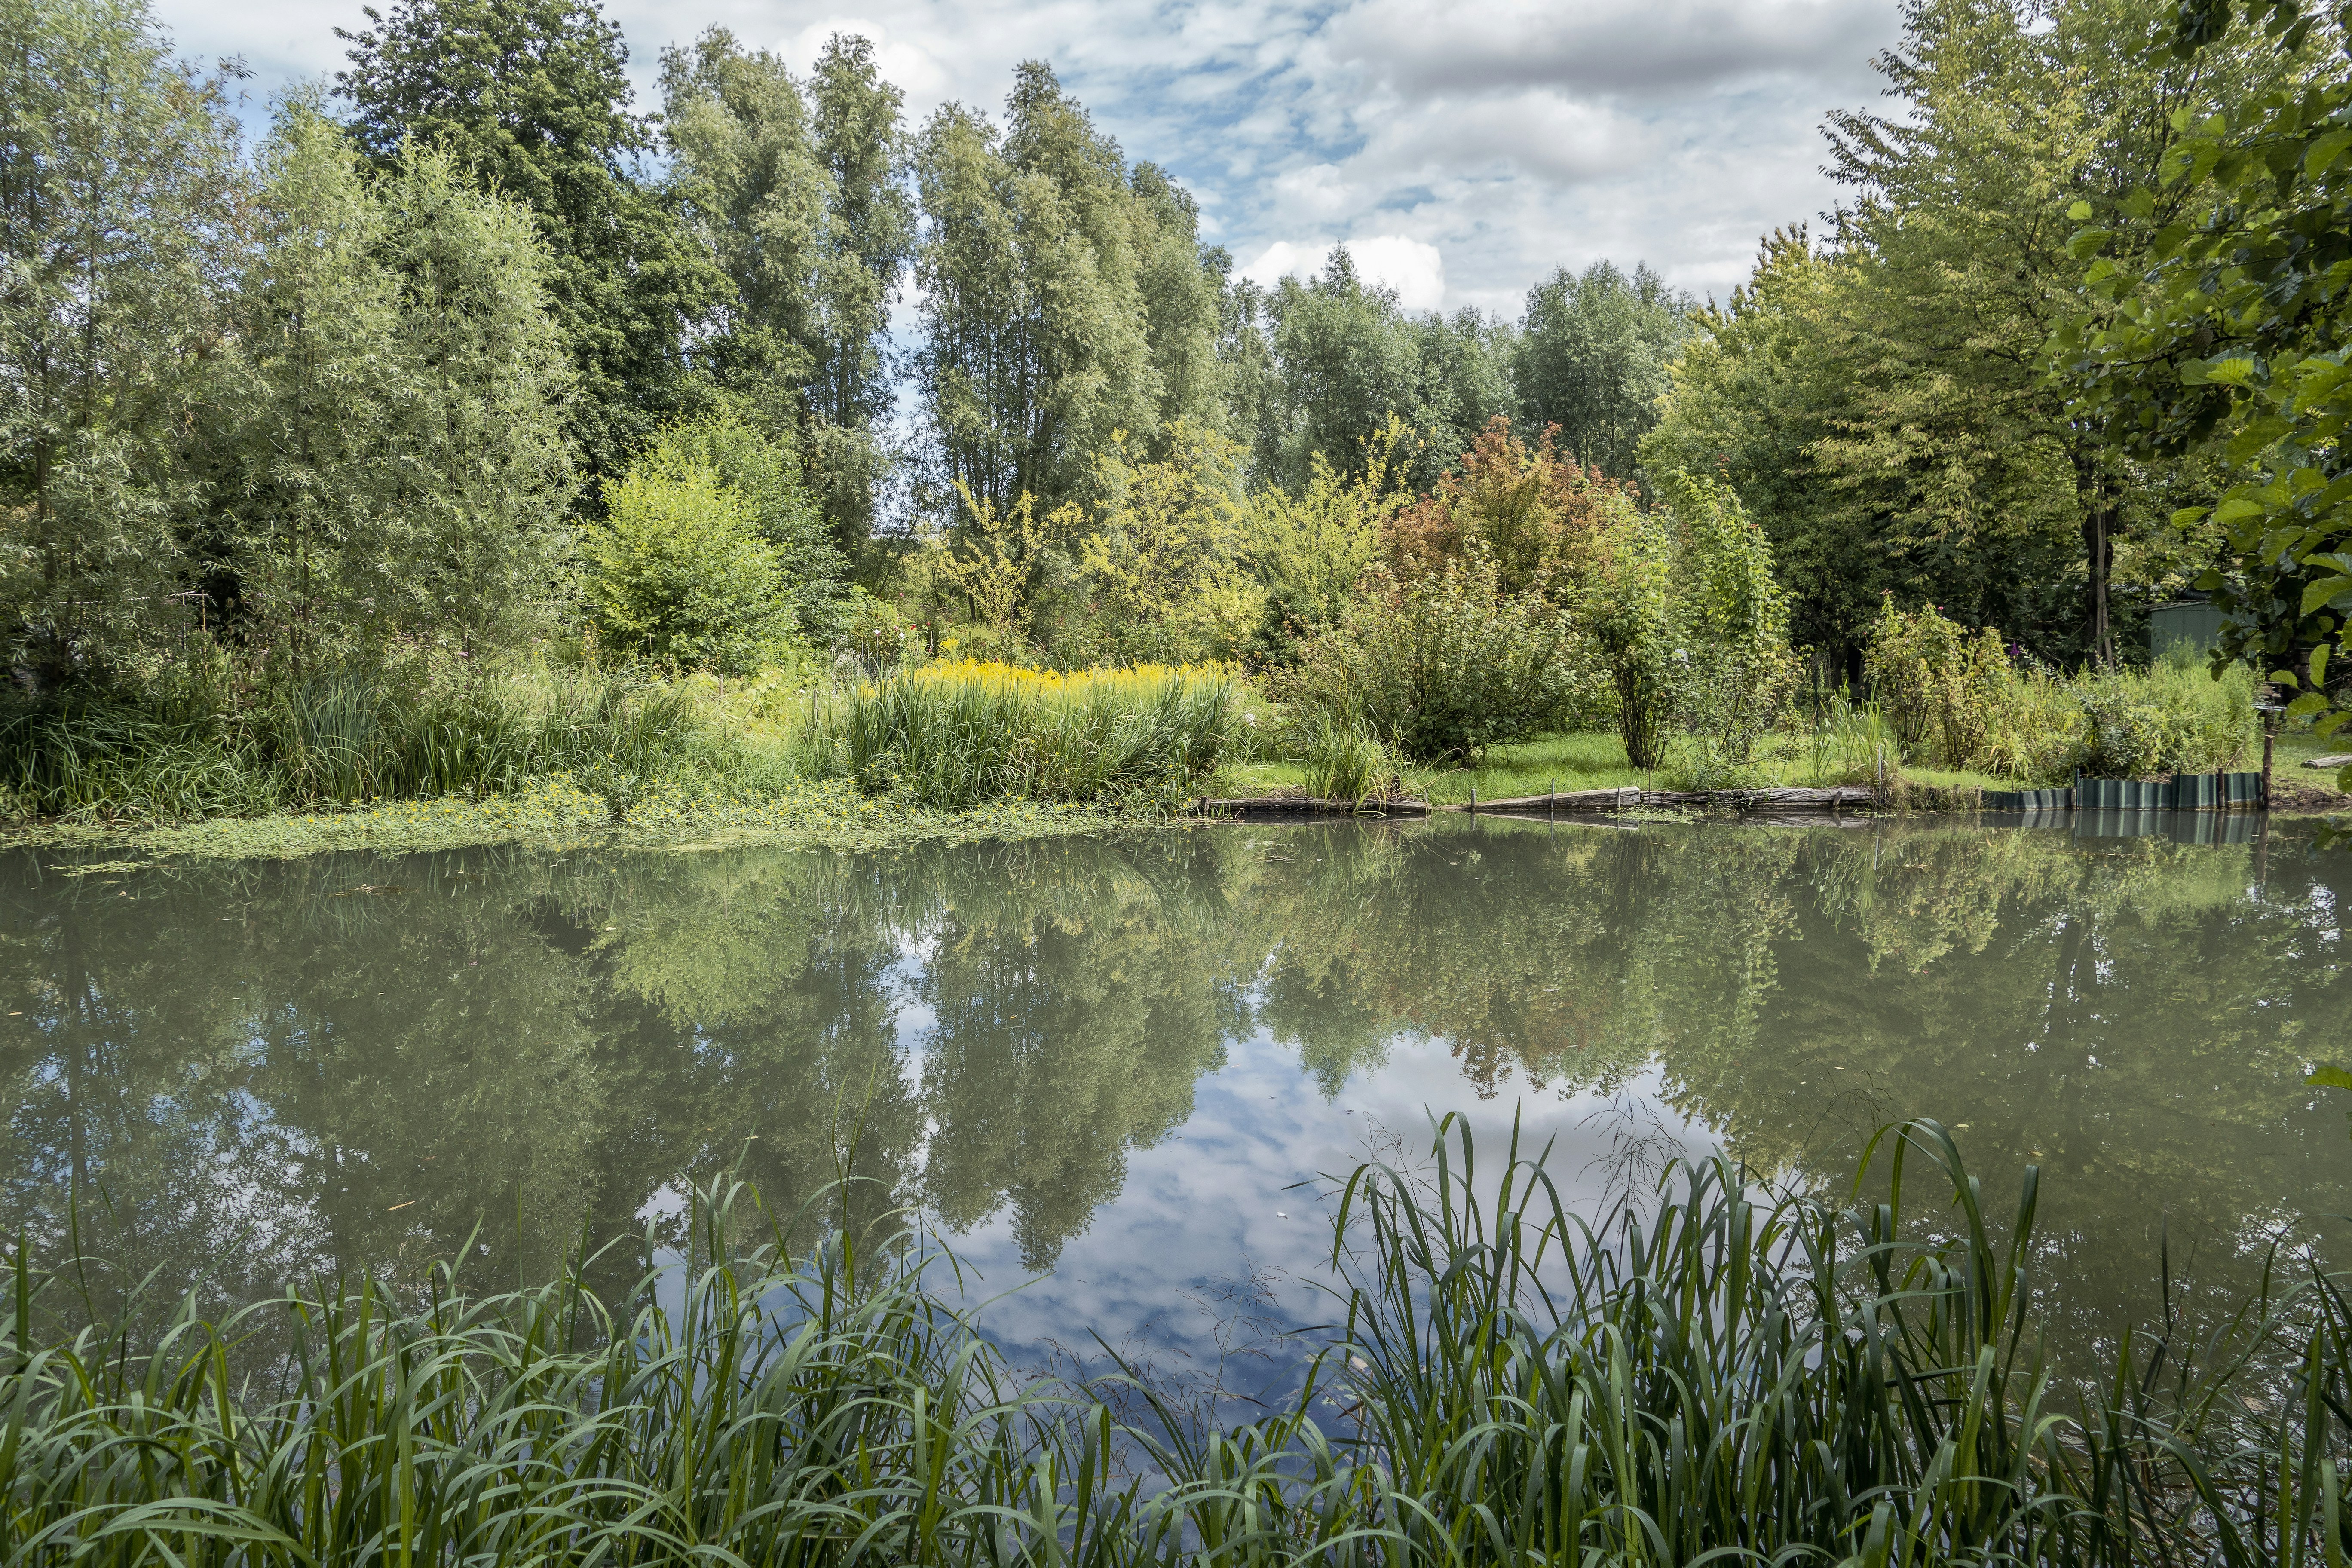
(2099, 554)
(2098, 539)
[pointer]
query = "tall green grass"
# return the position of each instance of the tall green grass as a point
(953, 736)
(1343, 762)
(1709, 1375)
(337, 736)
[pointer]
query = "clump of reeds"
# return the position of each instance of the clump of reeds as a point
(1343, 762)
(1708, 1374)
(335, 736)
(954, 735)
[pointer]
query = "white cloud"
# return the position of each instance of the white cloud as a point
(916, 73)
(1413, 268)
(1486, 144)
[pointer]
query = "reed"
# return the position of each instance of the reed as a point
(1710, 1373)
(1343, 762)
(954, 735)
(331, 737)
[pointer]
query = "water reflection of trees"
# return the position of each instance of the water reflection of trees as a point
(266, 1069)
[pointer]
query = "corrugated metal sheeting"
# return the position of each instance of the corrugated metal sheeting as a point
(2182, 792)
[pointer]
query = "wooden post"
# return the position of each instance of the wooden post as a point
(1474, 800)
(1551, 795)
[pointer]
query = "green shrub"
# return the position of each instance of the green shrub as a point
(679, 574)
(2032, 728)
(2175, 716)
(1732, 616)
(1904, 665)
(1441, 666)
(1690, 628)
(1957, 696)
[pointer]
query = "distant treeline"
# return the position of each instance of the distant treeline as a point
(367, 378)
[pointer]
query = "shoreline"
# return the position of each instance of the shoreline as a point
(557, 816)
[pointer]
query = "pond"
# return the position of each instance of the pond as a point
(1102, 1067)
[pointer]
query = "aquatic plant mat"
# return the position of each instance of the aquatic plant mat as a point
(1709, 1373)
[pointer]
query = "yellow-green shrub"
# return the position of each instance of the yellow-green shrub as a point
(679, 574)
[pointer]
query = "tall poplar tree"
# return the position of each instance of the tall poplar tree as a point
(531, 100)
(1065, 298)
(800, 191)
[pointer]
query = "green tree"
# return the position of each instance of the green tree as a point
(1158, 572)
(117, 171)
(744, 177)
(312, 553)
(1056, 311)
(2220, 311)
(477, 463)
(1754, 393)
(1592, 358)
(1536, 513)
(800, 193)
(1633, 621)
(1886, 406)
(1440, 665)
(530, 98)
(765, 472)
(1961, 274)
(1733, 616)
(1178, 284)
(862, 143)
(1346, 357)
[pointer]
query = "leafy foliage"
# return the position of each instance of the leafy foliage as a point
(112, 161)
(1963, 700)
(1335, 358)
(1307, 551)
(1440, 665)
(1158, 573)
(1534, 510)
(2221, 289)
(679, 572)
(1592, 359)
(530, 98)
(1884, 404)
(799, 190)
(1041, 341)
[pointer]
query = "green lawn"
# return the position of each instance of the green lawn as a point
(1592, 761)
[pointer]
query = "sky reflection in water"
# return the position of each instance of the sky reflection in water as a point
(1112, 1062)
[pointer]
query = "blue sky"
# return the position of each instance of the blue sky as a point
(1461, 152)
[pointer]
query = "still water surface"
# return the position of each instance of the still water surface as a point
(1104, 1065)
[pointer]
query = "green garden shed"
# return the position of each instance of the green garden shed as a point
(2195, 622)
